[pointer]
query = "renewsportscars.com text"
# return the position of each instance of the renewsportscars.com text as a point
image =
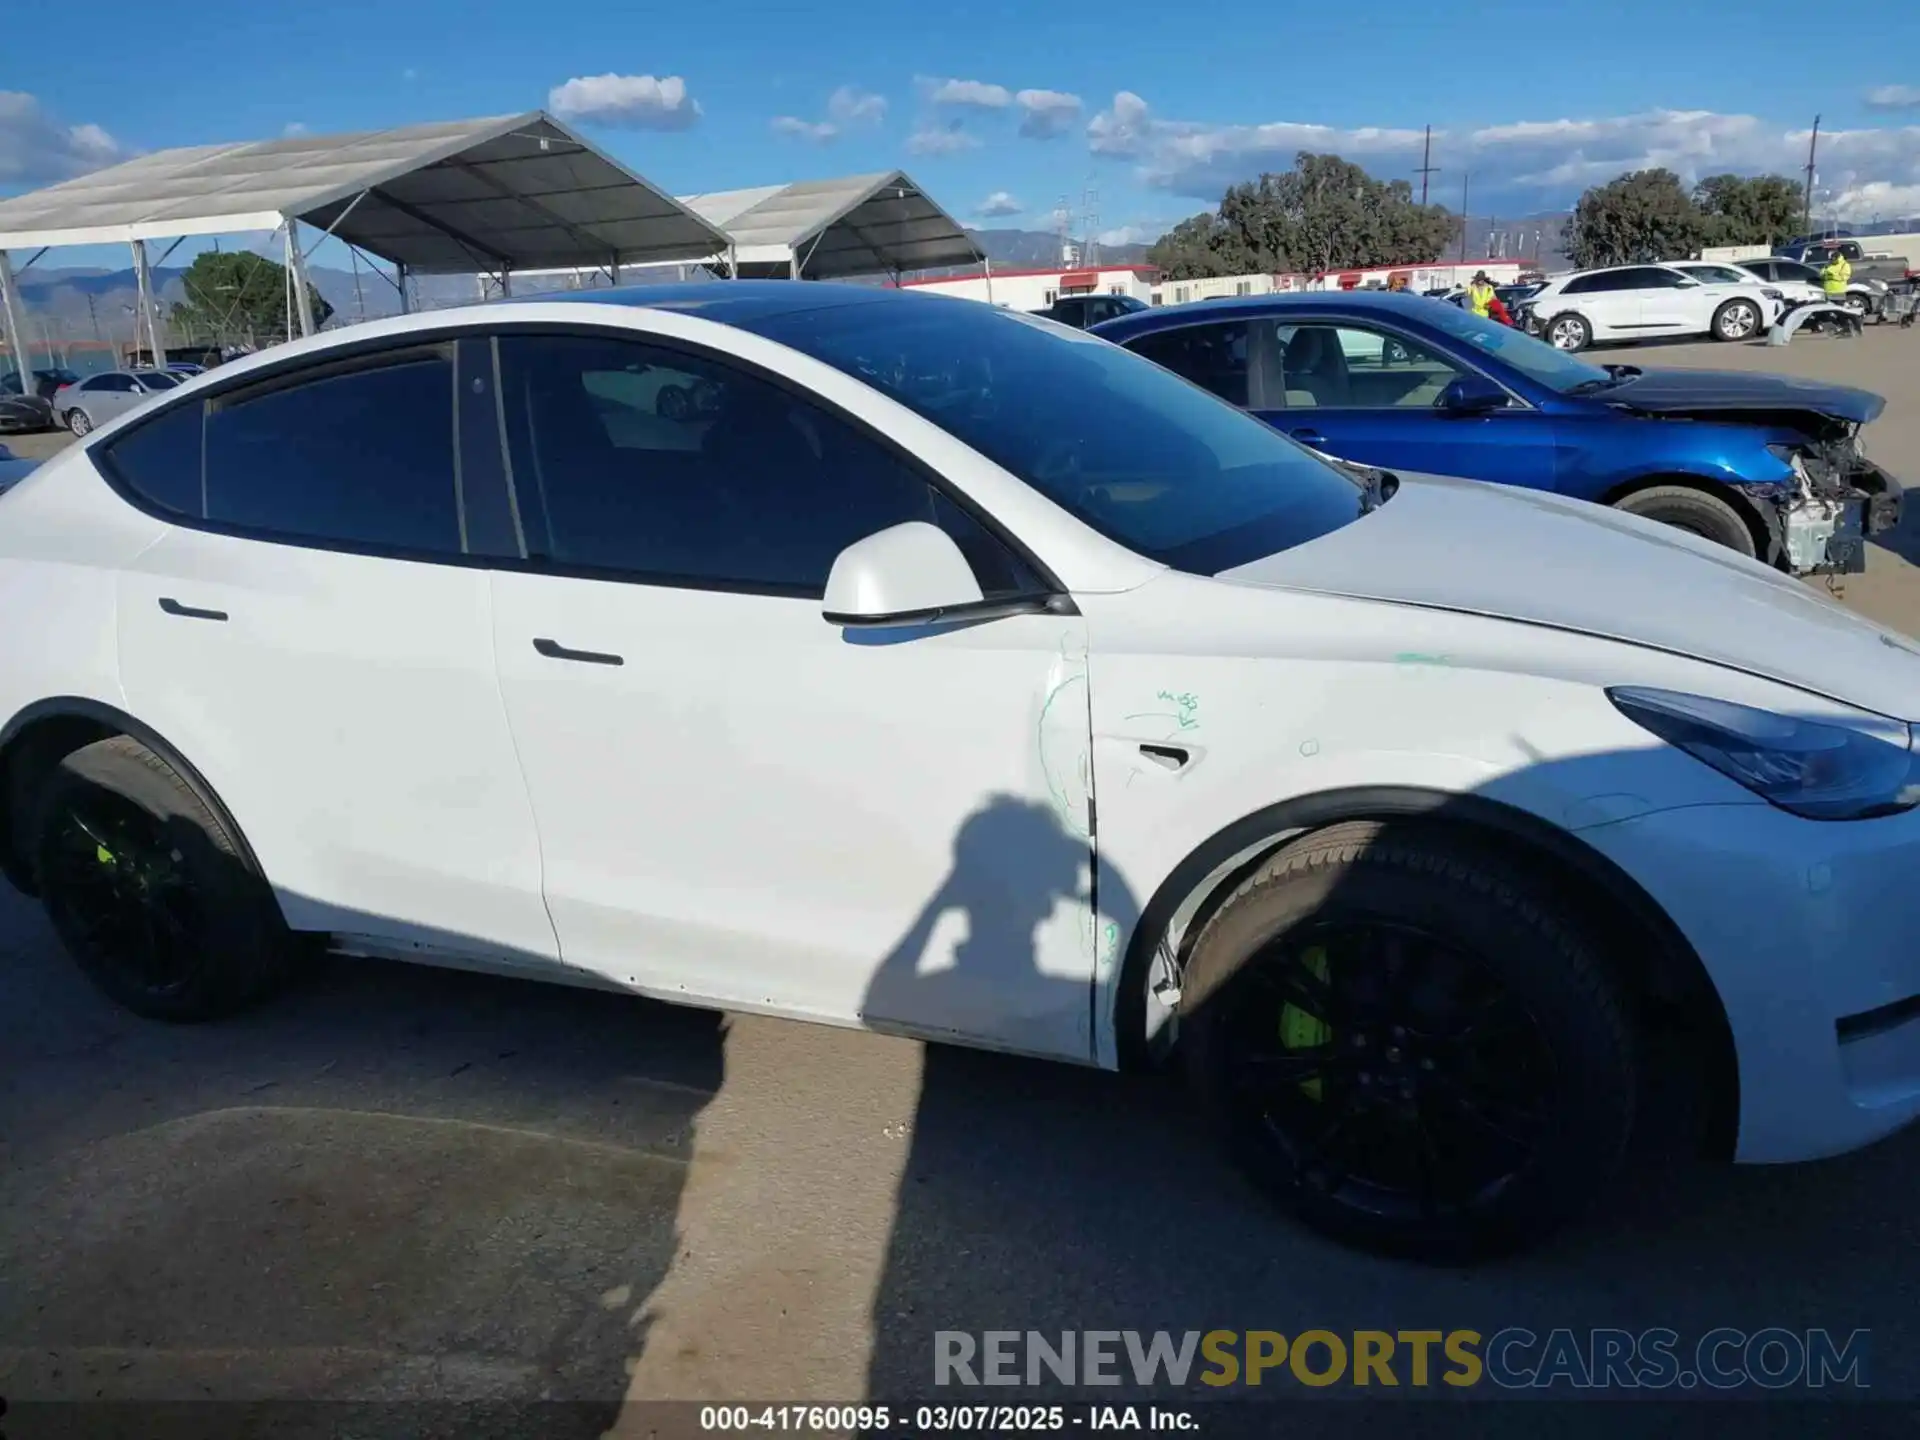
(1513, 1358)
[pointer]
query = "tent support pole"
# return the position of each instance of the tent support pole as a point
(988, 262)
(297, 270)
(16, 327)
(400, 283)
(149, 307)
(733, 262)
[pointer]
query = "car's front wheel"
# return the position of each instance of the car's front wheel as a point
(1736, 320)
(1856, 302)
(150, 892)
(1569, 332)
(1410, 1042)
(1694, 511)
(78, 422)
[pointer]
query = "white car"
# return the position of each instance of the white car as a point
(85, 404)
(975, 679)
(1639, 302)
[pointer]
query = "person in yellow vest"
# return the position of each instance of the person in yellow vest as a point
(1834, 278)
(1480, 294)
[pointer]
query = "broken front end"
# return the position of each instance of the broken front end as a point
(1820, 519)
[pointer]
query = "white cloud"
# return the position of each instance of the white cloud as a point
(850, 106)
(36, 149)
(847, 108)
(998, 204)
(1875, 200)
(1045, 114)
(1134, 234)
(410, 73)
(818, 131)
(971, 94)
(635, 102)
(293, 129)
(946, 140)
(1894, 97)
(1520, 164)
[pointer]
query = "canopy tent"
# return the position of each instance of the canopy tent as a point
(828, 229)
(501, 194)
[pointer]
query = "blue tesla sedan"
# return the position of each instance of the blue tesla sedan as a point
(1768, 465)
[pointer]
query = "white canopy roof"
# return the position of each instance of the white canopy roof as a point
(856, 225)
(513, 192)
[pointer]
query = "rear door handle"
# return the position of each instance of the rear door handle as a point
(189, 612)
(554, 650)
(1307, 435)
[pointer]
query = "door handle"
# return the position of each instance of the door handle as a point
(189, 612)
(554, 650)
(1307, 435)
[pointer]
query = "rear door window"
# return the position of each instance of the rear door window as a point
(360, 457)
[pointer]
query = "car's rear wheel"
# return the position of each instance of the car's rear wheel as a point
(1569, 332)
(148, 890)
(1694, 511)
(1410, 1043)
(1736, 320)
(78, 422)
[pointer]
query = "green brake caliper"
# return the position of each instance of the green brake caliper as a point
(1301, 1031)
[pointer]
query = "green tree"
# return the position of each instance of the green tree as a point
(1748, 210)
(236, 296)
(1324, 214)
(1643, 215)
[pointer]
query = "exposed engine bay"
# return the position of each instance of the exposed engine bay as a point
(1837, 498)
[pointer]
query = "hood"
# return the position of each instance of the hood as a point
(1540, 559)
(1674, 392)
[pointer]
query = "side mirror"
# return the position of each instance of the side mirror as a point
(1472, 395)
(906, 575)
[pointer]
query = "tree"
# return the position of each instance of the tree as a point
(1748, 210)
(1324, 214)
(238, 296)
(1643, 215)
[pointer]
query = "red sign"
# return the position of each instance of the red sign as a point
(1080, 280)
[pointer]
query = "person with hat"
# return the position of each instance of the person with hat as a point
(1480, 294)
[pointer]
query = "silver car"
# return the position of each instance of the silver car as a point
(92, 402)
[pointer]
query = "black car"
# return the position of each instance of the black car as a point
(34, 409)
(1082, 311)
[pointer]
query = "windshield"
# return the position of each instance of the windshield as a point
(1147, 459)
(1535, 359)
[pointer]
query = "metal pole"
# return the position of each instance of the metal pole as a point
(1806, 209)
(987, 260)
(297, 273)
(1427, 167)
(733, 262)
(400, 283)
(16, 329)
(149, 309)
(1464, 221)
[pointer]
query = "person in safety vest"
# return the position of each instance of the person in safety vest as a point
(1834, 277)
(1480, 294)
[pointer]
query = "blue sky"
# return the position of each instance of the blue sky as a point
(999, 109)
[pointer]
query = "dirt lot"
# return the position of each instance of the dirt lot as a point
(402, 1184)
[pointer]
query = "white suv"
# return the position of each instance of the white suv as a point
(1633, 302)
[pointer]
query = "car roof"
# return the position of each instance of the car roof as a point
(1335, 302)
(731, 302)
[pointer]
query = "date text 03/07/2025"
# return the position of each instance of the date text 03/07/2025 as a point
(941, 1419)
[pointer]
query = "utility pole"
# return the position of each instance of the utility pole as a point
(1465, 178)
(1427, 167)
(1813, 149)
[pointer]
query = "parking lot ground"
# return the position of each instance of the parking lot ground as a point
(401, 1184)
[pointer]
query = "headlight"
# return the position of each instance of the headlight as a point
(1773, 294)
(1806, 767)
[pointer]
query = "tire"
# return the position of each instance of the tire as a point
(78, 422)
(148, 890)
(1557, 1041)
(1857, 303)
(1736, 320)
(1569, 332)
(1694, 511)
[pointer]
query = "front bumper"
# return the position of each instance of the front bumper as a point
(1810, 932)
